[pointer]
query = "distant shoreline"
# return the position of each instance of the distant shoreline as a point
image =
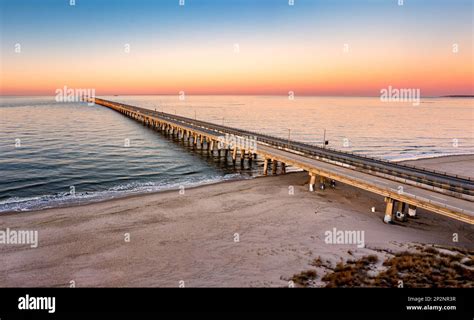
(458, 96)
(242, 94)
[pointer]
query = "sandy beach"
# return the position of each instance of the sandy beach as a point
(240, 233)
(460, 165)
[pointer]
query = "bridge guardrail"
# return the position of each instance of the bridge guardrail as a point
(308, 148)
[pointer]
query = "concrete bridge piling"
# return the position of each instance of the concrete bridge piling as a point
(450, 198)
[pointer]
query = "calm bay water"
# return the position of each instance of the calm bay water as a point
(64, 145)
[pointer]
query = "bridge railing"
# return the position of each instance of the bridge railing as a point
(293, 144)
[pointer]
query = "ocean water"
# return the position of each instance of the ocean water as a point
(54, 154)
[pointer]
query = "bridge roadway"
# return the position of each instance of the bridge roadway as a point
(399, 192)
(455, 185)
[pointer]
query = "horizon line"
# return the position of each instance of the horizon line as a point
(243, 94)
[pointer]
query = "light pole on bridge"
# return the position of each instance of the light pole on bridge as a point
(289, 134)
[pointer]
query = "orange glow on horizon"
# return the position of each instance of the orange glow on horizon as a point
(256, 69)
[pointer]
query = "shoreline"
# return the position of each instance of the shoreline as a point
(242, 233)
(127, 195)
(416, 162)
(453, 156)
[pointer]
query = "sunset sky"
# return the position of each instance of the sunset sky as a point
(192, 48)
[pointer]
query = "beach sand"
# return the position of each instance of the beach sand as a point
(460, 165)
(191, 238)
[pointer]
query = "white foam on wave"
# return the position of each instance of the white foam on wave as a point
(430, 156)
(20, 204)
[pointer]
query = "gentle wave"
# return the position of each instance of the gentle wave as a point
(16, 204)
(429, 156)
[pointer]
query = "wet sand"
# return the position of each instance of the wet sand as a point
(239, 233)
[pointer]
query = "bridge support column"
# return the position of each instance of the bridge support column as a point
(234, 154)
(312, 181)
(411, 210)
(274, 166)
(265, 167)
(388, 210)
(211, 146)
(322, 183)
(242, 155)
(400, 213)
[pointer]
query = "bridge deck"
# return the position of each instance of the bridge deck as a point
(443, 204)
(457, 208)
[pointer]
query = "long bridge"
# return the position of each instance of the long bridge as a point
(404, 187)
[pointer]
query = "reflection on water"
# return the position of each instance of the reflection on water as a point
(48, 148)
